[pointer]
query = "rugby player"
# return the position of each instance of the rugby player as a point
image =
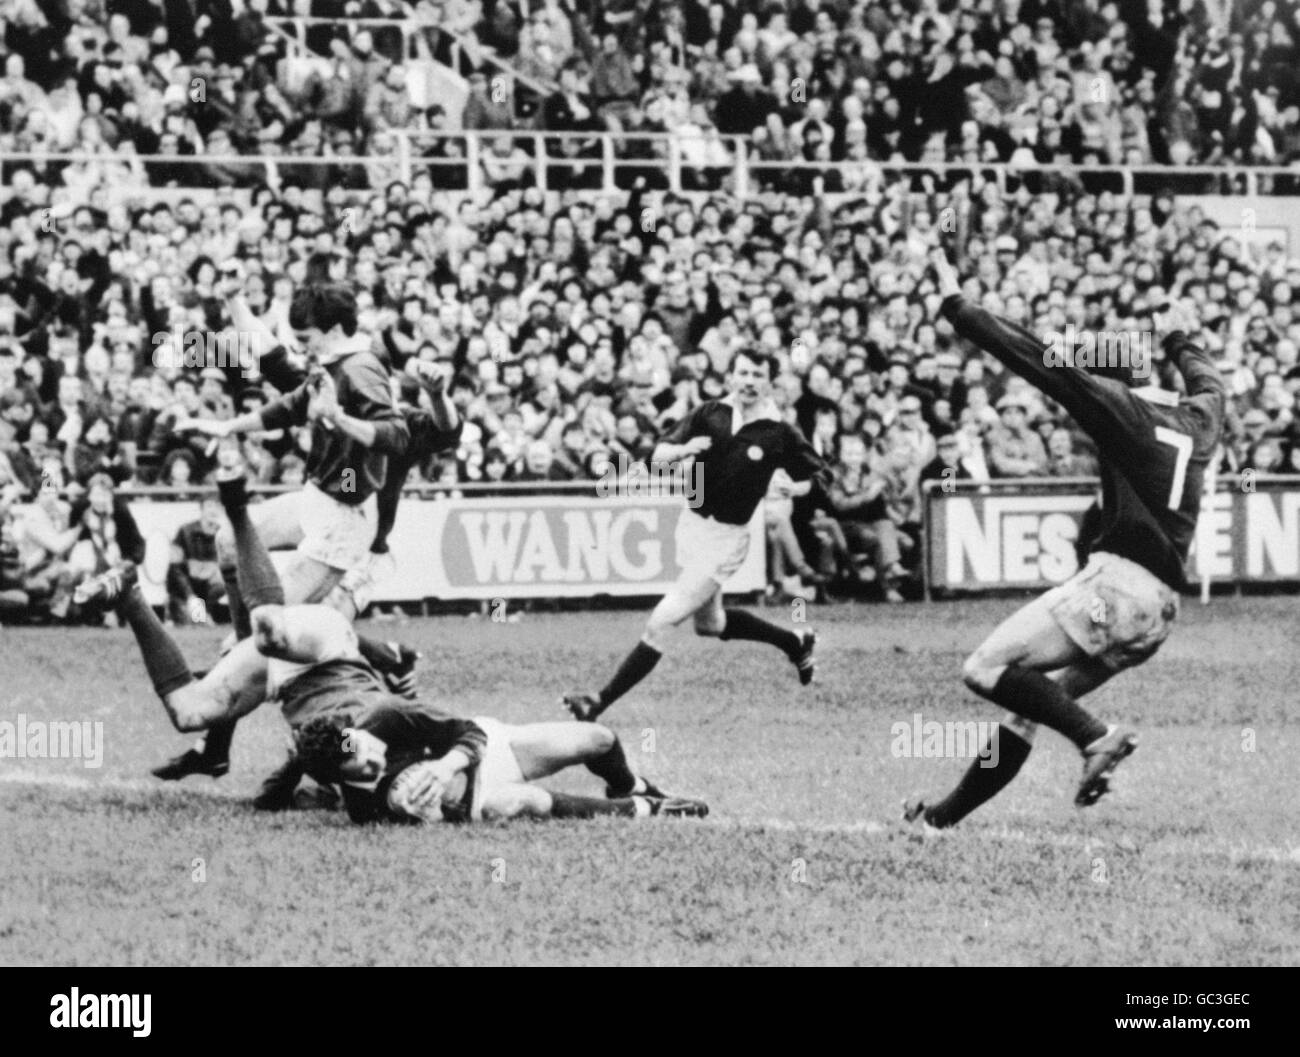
(432, 425)
(308, 657)
(740, 442)
(1154, 445)
(405, 762)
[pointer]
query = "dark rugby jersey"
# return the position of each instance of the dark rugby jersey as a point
(1153, 454)
(336, 464)
(426, 439)
(328, 686)
(739, 464)
(413, 733)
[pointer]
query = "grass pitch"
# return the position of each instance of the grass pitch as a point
(1194, 859)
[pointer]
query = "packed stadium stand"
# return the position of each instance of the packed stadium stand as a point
(579, 213)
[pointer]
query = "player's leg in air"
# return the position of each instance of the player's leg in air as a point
(233, 687)
(279, 522)
(307, 579)
(1036, 664)
(517, 756)
(698, 594)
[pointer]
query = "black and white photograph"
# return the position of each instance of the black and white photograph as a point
(650, 483)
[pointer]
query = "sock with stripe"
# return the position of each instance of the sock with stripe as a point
(566, 805)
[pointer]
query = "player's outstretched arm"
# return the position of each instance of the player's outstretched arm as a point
(1080, 392)
(1203, 380)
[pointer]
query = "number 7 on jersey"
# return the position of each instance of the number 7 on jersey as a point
(1182, 445)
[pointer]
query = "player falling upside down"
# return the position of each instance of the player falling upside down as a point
(1154, 446)
(355, 731)
(739, 442)
(432, 425)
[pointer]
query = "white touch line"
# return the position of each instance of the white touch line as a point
(1165, 847)
(1169, 848)
(77, 783)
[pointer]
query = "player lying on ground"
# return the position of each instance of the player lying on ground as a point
(308, 657)
(1154, 446)
(407, 762)
(739, 443)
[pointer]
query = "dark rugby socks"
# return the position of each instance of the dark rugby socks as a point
(215, 744)
(163, 660)
(238, 611)
(613, 769)
(259, 583)
(982, 783)
(635, 667)
(742, 624)
(565, 805)
(1032, 694)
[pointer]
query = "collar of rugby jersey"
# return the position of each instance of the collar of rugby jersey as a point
(767, 411)
(359, 342)
(1153, 394)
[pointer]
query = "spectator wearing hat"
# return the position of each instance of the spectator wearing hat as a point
(910, 427)
(745, 106)
(1015, 450)
(1063, 460)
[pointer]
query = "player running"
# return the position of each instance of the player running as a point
(740, 442)
(1115, 613)
(309, 658)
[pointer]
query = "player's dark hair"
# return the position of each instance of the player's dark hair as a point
(320, 745)
(762, 359)
(324, 306)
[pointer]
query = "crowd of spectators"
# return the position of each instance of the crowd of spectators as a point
(849, 81)
(573, 331)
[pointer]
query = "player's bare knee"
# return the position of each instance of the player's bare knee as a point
(656, 633)
(600, 740)
(709, 623)
(189, 708)
(981, 672)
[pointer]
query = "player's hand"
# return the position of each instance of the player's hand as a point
(782, 485)
(697, 445)
(324, 403)
(1176, 316)
(417, 791)
(949, 282)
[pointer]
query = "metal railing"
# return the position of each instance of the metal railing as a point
(669, 164)
(294, 29)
